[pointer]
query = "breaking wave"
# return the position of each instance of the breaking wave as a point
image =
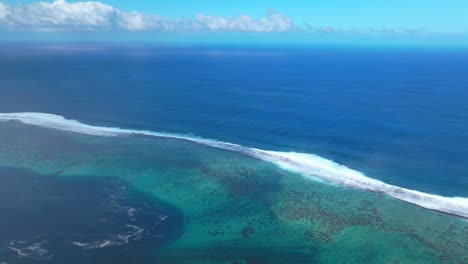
(133, 233)
(30, 250)
(308, 165)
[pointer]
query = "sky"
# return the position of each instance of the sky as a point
(429, 22)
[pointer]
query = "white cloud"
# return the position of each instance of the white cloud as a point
(4, 9)
(274, 22)
(61, 15)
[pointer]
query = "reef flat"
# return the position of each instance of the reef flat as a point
(238, 209)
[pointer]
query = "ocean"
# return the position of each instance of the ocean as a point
(397, 115)
(347, 115)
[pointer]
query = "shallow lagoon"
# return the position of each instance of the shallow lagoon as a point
(238, 209)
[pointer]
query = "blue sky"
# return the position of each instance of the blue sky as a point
(299, 21)
(445, 16)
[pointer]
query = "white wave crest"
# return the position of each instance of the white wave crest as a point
(33, 250)
(308, 165)
(133, 233)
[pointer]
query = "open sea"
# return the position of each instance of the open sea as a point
(395, 115)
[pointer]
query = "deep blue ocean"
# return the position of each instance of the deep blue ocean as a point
(396, 114)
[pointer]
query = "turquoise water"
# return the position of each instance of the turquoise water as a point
(237, 209)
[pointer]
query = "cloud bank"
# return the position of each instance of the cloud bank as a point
(94, 16)
(61, 15)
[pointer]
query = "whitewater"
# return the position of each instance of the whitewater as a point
(308, 165)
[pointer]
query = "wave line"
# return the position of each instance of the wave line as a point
(309, 165)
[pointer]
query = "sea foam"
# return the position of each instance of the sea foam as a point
(308, 165)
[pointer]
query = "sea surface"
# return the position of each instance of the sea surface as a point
(399, 115)
(170, 186)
